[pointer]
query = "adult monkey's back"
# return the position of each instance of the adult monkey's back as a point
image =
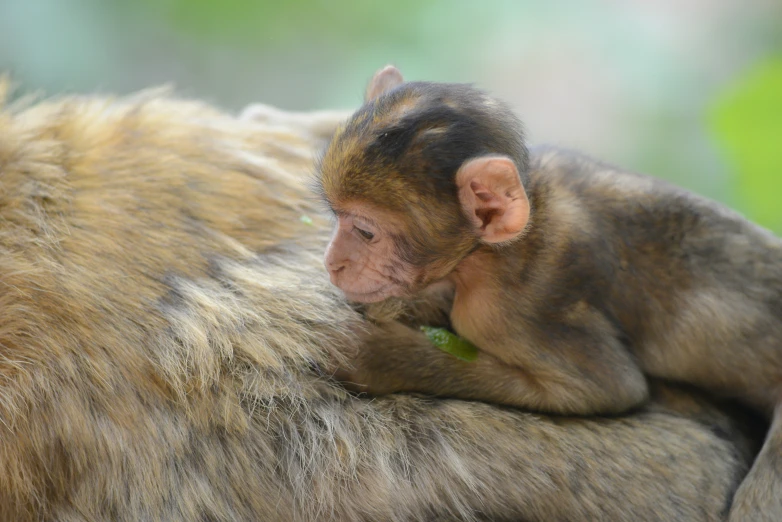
(165, 314)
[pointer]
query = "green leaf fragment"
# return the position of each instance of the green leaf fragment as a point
(306, 220)
(747, 121)
(451, 343)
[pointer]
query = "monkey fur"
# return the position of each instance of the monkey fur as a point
(594, 278)
(165, 335)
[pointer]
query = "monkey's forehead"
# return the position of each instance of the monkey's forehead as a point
(343, 182)
(391, 178)
(349, 171)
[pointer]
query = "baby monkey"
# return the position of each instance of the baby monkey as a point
(574, 279)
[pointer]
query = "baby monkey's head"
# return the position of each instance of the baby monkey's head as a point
(418, 178)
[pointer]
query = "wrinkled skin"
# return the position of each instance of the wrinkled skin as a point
(362, 260)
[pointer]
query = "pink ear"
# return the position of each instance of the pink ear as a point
(383, 81)
(493, 197)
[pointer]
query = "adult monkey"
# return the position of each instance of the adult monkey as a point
(165, 316)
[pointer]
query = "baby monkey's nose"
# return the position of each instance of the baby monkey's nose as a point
(334, 268)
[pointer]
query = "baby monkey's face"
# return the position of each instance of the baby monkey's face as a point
(364, 259)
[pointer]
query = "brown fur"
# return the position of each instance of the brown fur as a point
(165, 319)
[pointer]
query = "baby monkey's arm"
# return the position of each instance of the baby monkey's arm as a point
(580, 373)
(398, 358)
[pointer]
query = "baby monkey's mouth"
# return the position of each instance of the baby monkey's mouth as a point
(373, 296)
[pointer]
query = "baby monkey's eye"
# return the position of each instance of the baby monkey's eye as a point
(365, 234)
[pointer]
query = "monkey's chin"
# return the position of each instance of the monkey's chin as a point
(370, 297)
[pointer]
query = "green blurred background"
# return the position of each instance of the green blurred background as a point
(686, 90)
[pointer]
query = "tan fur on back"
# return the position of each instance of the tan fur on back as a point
(164, 322)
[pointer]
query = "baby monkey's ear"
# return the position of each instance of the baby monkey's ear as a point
(493, 198)
(383, 81)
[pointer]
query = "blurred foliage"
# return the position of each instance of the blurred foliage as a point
(258, 22)
(625, 81)
(747, 120)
